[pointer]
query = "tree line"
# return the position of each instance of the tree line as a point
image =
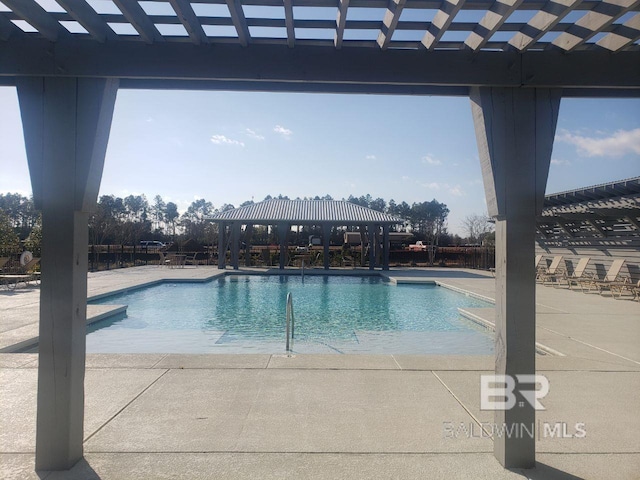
(128, 220)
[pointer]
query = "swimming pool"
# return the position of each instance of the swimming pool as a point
(333, 314)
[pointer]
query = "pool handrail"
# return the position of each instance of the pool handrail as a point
(290, 323)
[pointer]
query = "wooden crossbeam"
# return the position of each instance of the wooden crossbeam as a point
(190, 21)
(239, 21)
(602, 15)
(7, 28)
(490, 23)
(137, 17)
(289, 23)
(37, 17)
(341, 21)
(86, 16)
(390, 22)
(542, 22)
(622, 36)
(441, 22)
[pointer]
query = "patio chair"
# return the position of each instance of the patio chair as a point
(553, 272)
(3, 262)
(164, 261)
(577, 274)
(191, 259)
(610, 278)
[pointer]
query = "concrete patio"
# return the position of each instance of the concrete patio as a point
(334, 416)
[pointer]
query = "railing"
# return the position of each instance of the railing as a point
(290, 324)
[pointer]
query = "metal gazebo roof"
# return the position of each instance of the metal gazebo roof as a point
(299, 212)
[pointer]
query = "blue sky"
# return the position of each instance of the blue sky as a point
(228, 147)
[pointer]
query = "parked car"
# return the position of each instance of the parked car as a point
(152, 244)
(301, 249)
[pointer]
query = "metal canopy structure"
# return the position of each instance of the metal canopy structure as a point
(514, 59)
(597, 215)
(305, 212)
(362, 46)
(287, 213)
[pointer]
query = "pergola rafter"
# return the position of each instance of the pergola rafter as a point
(189, 20)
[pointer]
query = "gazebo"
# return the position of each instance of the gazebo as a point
(514, 60)
(287, 213)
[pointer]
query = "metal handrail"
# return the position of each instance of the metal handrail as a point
(290, 323)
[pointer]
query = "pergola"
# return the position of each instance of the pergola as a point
(515, 59)
(287, 213)
(598, 215)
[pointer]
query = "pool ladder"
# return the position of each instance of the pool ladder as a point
(290, 324)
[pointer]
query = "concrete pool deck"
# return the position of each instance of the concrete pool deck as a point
(334, 416)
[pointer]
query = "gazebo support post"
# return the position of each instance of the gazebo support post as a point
(372, 246)
(283, 230)
(386, 246)
(248, 233)
(235, 244)
(66, 128)
(222, 245)
(326, 239)
(515, 129)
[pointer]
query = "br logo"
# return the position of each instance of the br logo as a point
(497, 391)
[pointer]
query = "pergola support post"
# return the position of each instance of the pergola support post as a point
(326, 239)
(66, 128)
(515, 130)
(222, 246)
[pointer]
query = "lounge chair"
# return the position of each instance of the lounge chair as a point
(619, 288)
(25, 274)
(610, 278)
(537, 262)
(577, 274)
(553, 272)
(3, 262)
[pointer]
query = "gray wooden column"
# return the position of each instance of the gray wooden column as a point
(222, 245)
(66, 129)
(372, 246)
(248, 233)
(326, 240)
(515, 130)
(283, 231)
(386, 246)
(363, 240)
(235, 244)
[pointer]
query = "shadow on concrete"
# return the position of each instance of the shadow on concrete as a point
(545, 472)
(80, 471)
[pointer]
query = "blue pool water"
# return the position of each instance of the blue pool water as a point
(333, 314)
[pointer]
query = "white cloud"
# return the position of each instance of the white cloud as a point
(431, 160)
(253, 134)
(222, 140)
(285, 132)
(370, 157)
(406, 178)
(620, 143)
(456, 191)
(558, 161)
(432, 185)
